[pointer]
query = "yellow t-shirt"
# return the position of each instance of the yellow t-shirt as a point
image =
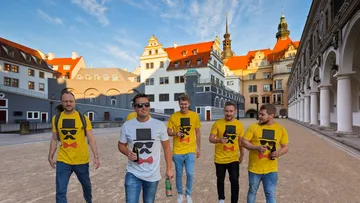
(190, 121)
(269, 135)
(73, 149)
(229, 152)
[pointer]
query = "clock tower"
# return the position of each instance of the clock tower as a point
(227, 52)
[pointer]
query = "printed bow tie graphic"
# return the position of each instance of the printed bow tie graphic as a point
(229, 148)
(185, 139)
(148, 160)
(73, 145)
(262, 156)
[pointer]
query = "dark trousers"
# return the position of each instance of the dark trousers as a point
(233, 170)
(63, 173)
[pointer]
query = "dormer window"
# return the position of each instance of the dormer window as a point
(183, 53)
(177, 64)
(66, 67)
(55, 67)
(198, 62)
(195, 51)
(187, 63)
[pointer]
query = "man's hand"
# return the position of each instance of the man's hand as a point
(52, 162)
(197, 153)
(132, 156)
(179, 134)
(261, 149)
(169, 174)
(224, 140)
(275, 154)
(96, 162)
(241, 158)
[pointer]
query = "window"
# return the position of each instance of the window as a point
(179, 79)
(32, 115)
(151, 97)
(252, 76)
(266, 99)
(66, 67)
(198, 62)
(113, 101)
(87, 77)
(253, 100)
(252, 88)
(79, 77)
(151, 65)
(230, 83)
(106, 77)
(41, 87)
(12, 82)
(150, 52)
(267, 75)
(156, 51)
(177, 64)
(31, 85)
(176, 96)
(3, 103)
(114, 77)
(279, 98)
(289, 70)
(161, 64)
(198, 110)
(147, 65)
(195, 51)
(97, 77)
(91, 115)
(212, 79)
(164, 80)
(41, 74)
(31, 72)
(11, 68)
(267, 87)
(163, 97)
(183, 53)
(55, 67)
(138, 79)
(187, 63)
(207, 89)
(278, 84)
(149, 81)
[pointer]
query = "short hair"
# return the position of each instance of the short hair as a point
(230, 103)
(270, 108)
(66, 92)
(184, 97)
(140, 95)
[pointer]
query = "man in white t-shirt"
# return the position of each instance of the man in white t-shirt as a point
(148, 135)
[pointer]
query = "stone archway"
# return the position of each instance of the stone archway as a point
(251, 113)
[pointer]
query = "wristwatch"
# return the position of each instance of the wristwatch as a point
(96, 156)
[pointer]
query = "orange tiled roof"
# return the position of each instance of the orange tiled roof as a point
(241, 62)
(203, 53)
(21, 47)
(60, 62)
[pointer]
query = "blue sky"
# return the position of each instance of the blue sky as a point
(113, 33)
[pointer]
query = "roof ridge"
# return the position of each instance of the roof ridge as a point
(179, 46)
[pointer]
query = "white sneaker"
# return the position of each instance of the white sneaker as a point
(188, 199)
(221, 201)
(180, 198)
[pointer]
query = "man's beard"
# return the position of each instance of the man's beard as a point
(229, 118)
(264, 122)
(69, 111)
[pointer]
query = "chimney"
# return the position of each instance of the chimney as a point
(51, 56)
(175, 45)
(74, 55)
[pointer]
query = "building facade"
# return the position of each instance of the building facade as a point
(23, 79)
(325, 80)
(162, 70)
(263, 73)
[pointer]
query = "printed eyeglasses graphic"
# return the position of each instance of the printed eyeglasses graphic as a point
(141, 144)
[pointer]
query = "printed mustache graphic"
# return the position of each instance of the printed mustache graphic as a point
(69, 137)
(144, 150)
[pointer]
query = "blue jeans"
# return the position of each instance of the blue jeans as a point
(188, 160)
(63, 173)
(269, 181)
(133, 187)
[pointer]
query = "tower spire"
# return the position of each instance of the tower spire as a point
(283, 31)
(227, 52)
(227, 23)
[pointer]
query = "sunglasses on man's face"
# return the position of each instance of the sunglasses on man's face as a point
(140, 105)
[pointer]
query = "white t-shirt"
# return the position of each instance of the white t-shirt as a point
(147, 136)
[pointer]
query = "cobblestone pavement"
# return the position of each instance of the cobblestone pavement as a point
(314, 170)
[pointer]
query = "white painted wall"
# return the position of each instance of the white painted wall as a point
(24, 78)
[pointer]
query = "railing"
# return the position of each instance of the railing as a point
(23, 91)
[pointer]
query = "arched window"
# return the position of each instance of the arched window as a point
(106, 77)
(92, 98)
(113, 101)
(114, 77)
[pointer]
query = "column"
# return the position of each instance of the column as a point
(314, 108)
(344, 104)
(324, 107)
(307, 109)
(302, 109)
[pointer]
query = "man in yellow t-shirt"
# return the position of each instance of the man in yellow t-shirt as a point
(226, 134)
(184, 127)
(263, 139)
(73, 154)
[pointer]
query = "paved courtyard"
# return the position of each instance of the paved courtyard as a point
(314, 170)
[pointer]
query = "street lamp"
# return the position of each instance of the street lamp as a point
(237, 107)
(257, 110)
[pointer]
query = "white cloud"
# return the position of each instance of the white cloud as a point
(94, 8)
(117, 52)
(143, 4)
(126, 39)
(82, 21)
(52, 20)
(85, 44)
